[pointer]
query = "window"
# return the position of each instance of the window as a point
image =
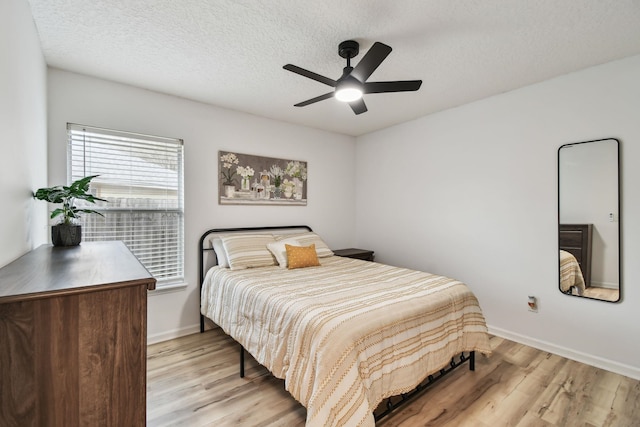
(141, 176)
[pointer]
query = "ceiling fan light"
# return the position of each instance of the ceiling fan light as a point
(348, 94)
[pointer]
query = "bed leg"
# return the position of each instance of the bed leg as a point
(472, 361)
(201, 323)
(241, 362)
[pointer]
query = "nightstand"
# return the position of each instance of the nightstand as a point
(355, 253)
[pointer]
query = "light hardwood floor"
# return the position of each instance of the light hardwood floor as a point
(602, 293)
(194, 381)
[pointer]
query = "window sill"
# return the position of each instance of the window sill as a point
(167, 289)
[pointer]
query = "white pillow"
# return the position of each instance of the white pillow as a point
(280, 252)
(221, 254)
(309, 238)
(248, 250)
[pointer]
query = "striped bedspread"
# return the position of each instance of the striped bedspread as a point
(348, 333)
(570, 273)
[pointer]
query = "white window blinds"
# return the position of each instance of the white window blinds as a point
(141, 176)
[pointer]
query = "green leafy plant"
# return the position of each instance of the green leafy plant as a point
(67, 196)
(276, 173)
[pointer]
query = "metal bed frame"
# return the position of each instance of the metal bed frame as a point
(391, 403)
(203, 250)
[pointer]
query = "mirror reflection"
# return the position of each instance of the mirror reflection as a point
(588, 211)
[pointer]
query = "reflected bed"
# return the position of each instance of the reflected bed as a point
(571, 279)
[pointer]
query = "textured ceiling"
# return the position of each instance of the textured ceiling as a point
(230, 53)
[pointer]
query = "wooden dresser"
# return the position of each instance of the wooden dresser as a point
(73, 337)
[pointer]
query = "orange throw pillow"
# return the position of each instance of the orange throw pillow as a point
(301, 256)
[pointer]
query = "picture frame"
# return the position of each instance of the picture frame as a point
(246, 179)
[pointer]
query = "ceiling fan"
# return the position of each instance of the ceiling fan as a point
(353, 83)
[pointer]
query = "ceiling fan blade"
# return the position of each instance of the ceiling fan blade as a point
(371, 60)
(310, 74)
(314, 100)
(399, 86)
(358, 106)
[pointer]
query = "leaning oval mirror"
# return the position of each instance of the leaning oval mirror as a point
(589, 219)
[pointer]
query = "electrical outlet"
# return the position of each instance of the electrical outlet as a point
(533, 304)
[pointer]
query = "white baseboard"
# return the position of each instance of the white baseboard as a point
(606, 285)
(598, 362)
(174, 333)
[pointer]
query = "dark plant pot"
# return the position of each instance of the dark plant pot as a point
(66, 235)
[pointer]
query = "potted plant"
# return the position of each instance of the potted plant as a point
(228, 160)
(276, 173)
(298, 172)
(67, 232)
(288, 187)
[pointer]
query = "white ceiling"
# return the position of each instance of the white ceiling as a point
(230, 53)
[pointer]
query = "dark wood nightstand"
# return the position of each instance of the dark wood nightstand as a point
(355, 253)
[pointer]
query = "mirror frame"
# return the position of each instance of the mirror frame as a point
(619, 206)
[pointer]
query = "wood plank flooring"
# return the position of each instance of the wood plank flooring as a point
(602, 293)
(194, 381)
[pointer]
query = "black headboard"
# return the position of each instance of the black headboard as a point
(205, 249)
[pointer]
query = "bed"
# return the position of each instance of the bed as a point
(575, 242)
(571, 279)
(344, 334)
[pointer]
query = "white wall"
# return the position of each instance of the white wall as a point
(23, 166)
(471, 193)
(206, 129)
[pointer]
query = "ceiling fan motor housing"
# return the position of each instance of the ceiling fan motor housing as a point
(348, 49)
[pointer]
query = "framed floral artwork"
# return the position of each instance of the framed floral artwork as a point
(246, 179)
